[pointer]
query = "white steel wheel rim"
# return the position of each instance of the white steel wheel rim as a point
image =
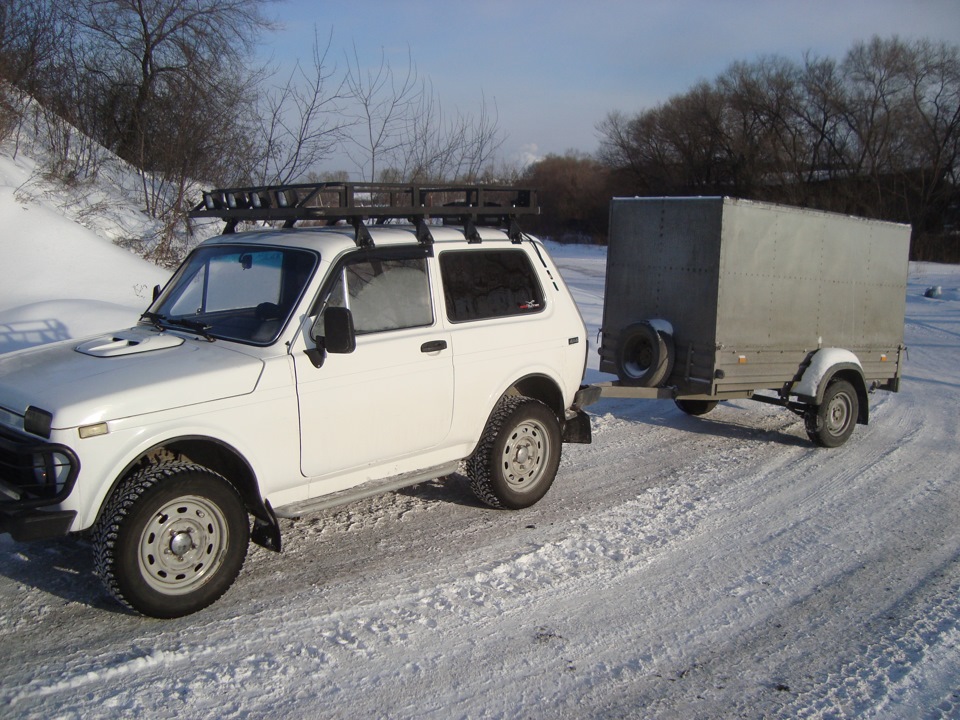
(525, 455)
(182, 545)
(838, 413)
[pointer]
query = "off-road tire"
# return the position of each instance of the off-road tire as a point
(171, 540)
(517, 458)
(831, 423)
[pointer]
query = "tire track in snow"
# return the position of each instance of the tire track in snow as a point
(878, 680)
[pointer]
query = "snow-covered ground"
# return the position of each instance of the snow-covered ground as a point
(679, 568)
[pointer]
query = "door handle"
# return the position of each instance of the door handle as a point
(433, 346)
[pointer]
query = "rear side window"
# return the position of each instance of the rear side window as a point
(480, 284)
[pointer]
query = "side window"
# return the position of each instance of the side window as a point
(488, 284)
(384, 294)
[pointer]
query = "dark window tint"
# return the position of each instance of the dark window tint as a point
(489, 283)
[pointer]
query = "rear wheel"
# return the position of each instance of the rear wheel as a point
(830, 423)
(172, 540)
(517, 459)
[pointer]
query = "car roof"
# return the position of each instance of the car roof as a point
(339, 238)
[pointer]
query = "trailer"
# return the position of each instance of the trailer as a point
(714, 298)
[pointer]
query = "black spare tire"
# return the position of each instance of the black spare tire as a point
(644, 355)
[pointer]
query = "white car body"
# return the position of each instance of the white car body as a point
(386, 410)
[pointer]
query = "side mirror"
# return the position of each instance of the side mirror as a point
(156, 292)
(339, 336)
(332, 332)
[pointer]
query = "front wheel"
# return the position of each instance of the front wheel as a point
(517, 458)
(171, 540)
(830, 423)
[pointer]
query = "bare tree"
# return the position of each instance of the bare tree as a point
(933, 134)
(144, 52)
(383, 101)
(30, 33)
(301, 121)
(441, 147)
(818, 112)
(875, 111)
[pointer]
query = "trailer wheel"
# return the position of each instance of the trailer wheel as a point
(830, 423)
(172, 540)
(696, 407)
(517, 458)
(644, 355)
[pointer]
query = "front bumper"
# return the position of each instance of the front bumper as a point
(36, 524)
(35, 476)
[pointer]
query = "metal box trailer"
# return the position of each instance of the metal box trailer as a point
(715, 298)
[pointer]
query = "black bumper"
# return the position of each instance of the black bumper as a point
(34, 477)
(36, 524)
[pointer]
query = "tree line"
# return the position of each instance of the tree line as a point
(876, 134)
(171, 86)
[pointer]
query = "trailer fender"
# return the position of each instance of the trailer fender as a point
(827, 364)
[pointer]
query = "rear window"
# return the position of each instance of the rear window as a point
(481, 284)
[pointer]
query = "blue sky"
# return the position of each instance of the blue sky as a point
(555, 68)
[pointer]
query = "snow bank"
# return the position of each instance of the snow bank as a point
(60, 280)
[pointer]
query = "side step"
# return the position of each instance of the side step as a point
(367, 489)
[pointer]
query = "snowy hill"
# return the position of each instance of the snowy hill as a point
(679, 568)
(60, 279)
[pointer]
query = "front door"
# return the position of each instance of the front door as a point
(391, 397)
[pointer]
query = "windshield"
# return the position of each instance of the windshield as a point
(237, 293)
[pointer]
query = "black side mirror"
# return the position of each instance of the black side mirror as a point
(339, 336)
(156, 292)
(332, 332)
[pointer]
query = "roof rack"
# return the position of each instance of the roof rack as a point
(357, 203)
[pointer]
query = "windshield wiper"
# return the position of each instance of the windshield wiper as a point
(154, 319)
(158, 320)
(195, 325)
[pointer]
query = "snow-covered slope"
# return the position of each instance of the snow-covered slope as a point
(679, 568)
(59, 279)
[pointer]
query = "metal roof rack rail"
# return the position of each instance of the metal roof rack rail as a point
(357, 203)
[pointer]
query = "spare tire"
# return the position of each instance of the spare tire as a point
(644, 355)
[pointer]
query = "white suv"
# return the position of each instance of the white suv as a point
(287, 370)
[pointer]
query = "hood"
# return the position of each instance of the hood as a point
(128, 373)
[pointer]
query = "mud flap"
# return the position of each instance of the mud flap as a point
(576, 429)
(266, 532)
